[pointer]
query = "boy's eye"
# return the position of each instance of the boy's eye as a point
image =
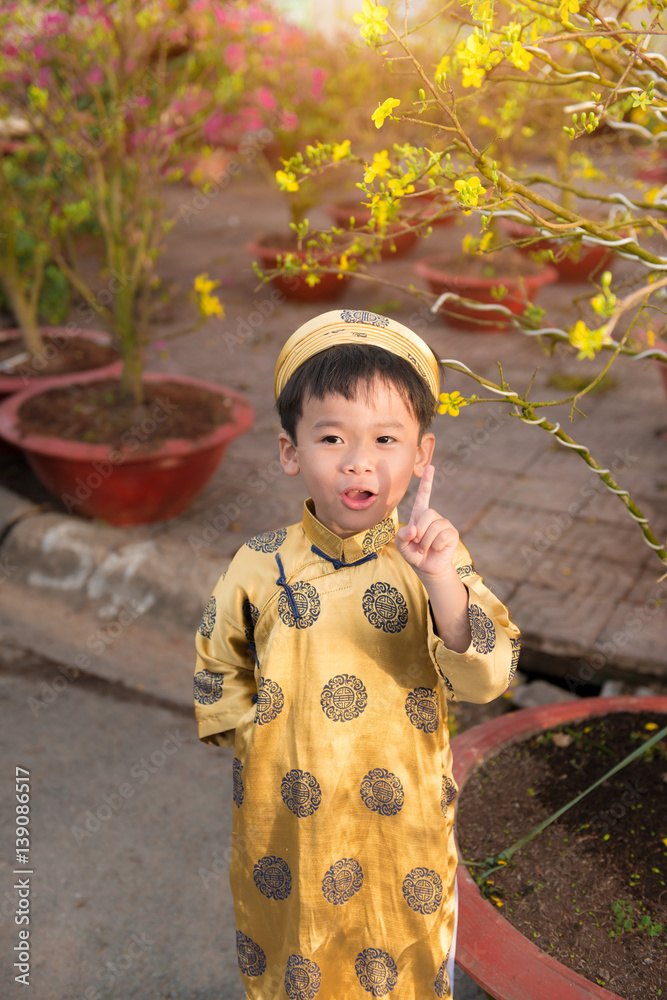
(385, 439)
(331, 439)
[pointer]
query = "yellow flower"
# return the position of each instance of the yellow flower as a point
(287, 181)
(340, 150)
(384, 111)
(483, 12)
(520, 57)
(204, 284)
(211, 305)
(399, 188)
(567, 7)
(379, 167)
(441, 71)
(469, 191)
(380, 210)
(372, 19)
(651, 725)
(472, 76)
(451, 402)
(588, 341)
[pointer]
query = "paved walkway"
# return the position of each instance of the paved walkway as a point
(565, 555)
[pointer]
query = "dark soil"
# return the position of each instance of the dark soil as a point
(97, 413)
(62, 355)
(591, 890)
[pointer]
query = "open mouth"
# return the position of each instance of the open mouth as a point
(357, 499)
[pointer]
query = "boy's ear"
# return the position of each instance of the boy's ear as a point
(425, 450)
(289, 458)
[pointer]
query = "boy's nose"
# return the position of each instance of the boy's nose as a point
(358, 462)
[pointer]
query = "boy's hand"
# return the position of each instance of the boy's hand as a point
(428, 541)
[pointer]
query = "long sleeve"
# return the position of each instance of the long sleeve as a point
(224, 679)
(484, 670)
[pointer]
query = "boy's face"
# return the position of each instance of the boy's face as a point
(356, 456)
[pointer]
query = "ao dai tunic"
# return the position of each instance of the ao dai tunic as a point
(318, 660)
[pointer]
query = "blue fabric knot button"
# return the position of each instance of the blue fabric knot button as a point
(254, 699)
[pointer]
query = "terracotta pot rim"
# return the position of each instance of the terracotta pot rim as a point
(242, 416)
(14, 383)
(427, 267)
(519, 968)
(258, 249)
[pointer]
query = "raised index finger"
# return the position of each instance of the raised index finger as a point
(423, 497)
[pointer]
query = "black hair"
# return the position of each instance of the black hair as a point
(340, 369)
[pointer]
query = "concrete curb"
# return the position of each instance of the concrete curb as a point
(86, 563)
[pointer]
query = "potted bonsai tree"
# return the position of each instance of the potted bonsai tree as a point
(33, 286)
(100, 86)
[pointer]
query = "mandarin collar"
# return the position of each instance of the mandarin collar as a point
(350, 549)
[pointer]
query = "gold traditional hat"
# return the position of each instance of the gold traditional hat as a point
(355, 326)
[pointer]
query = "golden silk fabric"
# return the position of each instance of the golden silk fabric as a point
(323, 670)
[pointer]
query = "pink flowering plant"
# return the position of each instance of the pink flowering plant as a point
(499, 89)
(114, 93)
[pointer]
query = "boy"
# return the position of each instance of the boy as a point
(326, 656)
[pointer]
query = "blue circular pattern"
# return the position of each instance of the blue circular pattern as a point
(422, 889)
(378, 535)
(302, 978)
(382, 792)
(467, 570)
(385, 607)
(482, 629)
(447, 794)
(301, 793)
(421, 706)
(207, 687)
(270, 701)
(267, 541)
(250, 616)
(273, 877)
(344, 698)
(342, 881)
(516, 649)
(307, 602)
(441, 984)
(251, 958)
(376, 971)
(208, 619)
(239, 791)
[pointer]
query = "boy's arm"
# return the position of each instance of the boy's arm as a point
(224, 678)
(472, 640)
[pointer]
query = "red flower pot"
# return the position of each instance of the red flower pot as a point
(120, 485)
(583, 262)
(267, 250)
(434, 270)
(18, 382)
(489, 949)
(398, 241)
